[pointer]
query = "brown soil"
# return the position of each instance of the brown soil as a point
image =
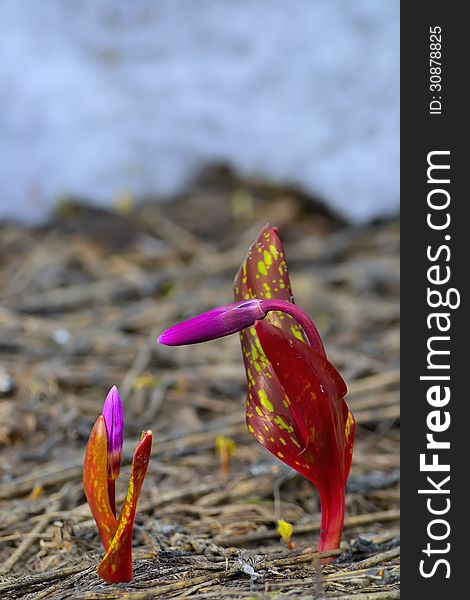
(81, 303)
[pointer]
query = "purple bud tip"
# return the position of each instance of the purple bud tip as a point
(214, 324)
(113, 414)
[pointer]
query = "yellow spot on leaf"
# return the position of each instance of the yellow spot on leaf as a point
(296, 332)
(294, 441)
(348, 425)
(282, 424)
(274, 251)
(263, 397)
(267, 259)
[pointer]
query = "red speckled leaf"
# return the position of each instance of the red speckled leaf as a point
(270, 415)
(116, 565)
(294, 405)
(311, 383)
(95, 482)
(264, 275)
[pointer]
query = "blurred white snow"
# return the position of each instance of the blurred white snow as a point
(102, 98)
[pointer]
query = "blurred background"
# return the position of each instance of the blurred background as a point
(143, 146)
(111, 98)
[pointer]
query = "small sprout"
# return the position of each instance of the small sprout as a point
(36, 492)
(144, 381)
(101, 468)
(285, 530)
(225, 447)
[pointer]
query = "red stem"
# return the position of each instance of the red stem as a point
(332, 521)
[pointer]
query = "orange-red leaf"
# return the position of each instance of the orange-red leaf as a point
(95, 482)
(116, 565)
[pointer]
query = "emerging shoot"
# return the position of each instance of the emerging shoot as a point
(101, 468)
(285, 530)
(225, 446)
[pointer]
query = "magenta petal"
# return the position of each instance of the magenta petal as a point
(214, 324)
(113, 414)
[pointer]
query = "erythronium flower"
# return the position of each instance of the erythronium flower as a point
(101, 469)
(294, 406)
(114, 420)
